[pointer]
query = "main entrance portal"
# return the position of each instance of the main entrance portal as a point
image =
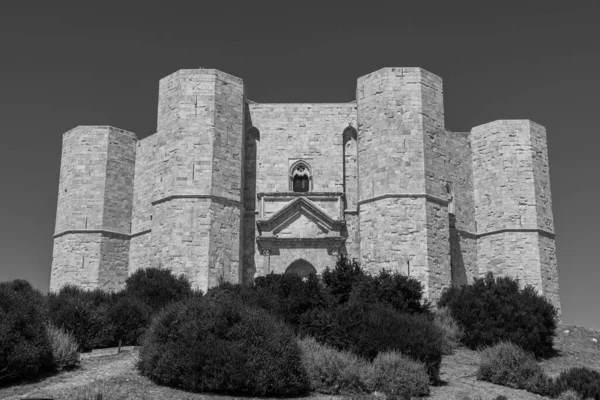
(302, 268)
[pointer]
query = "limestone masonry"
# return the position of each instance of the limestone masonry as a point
(236, 189)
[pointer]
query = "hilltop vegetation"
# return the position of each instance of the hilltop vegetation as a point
(345, 332)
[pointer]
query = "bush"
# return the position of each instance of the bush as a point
(24, 346)
(367, 330)
(584, 381)
(289, 296)
(493, 310)
(224, 346)
(398, 376)
(65, 350)
(129, 317)
(509, 365)
(157, 287)
(569, 395)
(342, 279)
(443, 319)
(84, 314)
(332, 371)
(402, 293)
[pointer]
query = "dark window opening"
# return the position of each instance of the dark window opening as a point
(301, 183)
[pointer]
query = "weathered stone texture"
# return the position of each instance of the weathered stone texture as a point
(399, 243)
(210, 195)
(512, 203)
(291, 132)
(81, 186)
(504, 182)
(118, 192)
(550, 287)
(113, 263)
(95, 198)
(76, 260)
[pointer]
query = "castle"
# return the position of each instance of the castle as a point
(232, 189)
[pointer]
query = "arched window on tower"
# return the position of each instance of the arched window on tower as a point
(300, 178)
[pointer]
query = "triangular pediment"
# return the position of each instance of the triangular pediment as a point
(300, 218)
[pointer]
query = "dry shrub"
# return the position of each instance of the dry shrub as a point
(453, 333)
(65, 350)
(569, 395)
(509, 365)
(333, 371)
(398, 376)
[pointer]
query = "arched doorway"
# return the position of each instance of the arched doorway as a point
(301, 267)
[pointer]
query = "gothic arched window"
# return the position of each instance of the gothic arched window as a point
(300, 178)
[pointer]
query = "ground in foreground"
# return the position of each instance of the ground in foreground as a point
(116, 377)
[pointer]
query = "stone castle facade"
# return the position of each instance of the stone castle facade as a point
(236, 189)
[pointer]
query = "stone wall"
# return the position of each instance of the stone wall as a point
(282, 134)
(512, 203)
(403, 221)
(393, 235)
(76, 260)
(94, 208)
(438, 205)
(82, 179)
(188, 208)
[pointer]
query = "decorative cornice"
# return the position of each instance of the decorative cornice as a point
(299, 194)
(541, 232)
(103, 232)
(212, 197)
(328, 242)
(428, 197)
(296, 206)
(133, 235)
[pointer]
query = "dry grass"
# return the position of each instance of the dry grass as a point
(116, 376)
(452, 331)
(65, 350)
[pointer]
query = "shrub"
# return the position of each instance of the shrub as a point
(584, 381)
(509, 365)
(493, 310)
(367, 329)
(501, 397)
(332, 371)
(341, 280)
(157, 287)
(24, 346)
(443, 319)
(129, 317)
(569, 395)
(224, 346)
(65, 350)
(288, 296)
(84, 314)
(399, 291)
(398, 376)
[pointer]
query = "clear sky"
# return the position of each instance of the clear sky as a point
(96, 63)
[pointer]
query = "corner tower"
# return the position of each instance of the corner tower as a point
(188, 197)
(91, 239)
(403, 223)
(513, 208)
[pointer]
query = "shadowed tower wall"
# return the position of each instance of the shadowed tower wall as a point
(513, 208)
(403, 225)
(188, 189)
(93, 219)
